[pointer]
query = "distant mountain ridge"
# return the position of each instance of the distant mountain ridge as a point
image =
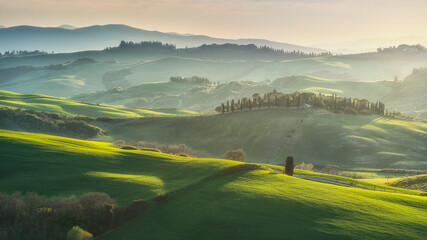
(65, 39)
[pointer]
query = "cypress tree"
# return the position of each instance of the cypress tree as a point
(232, 105)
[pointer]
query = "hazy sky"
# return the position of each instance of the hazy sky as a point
(292, 21)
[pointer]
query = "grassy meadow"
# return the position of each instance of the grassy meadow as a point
(64, 106)
(208, 198)
(310, 135)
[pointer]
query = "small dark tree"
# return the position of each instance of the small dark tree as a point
(289, 167)
(237, 155)
(232, 105)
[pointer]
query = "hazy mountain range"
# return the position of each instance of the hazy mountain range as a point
(66, 38)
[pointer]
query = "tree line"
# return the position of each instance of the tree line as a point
(144, 45)
(22, 53)
(304, 100)
(51, 123)
(194, 79)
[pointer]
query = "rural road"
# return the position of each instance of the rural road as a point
(327, 181)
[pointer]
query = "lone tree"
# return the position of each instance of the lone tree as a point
(237, 155)
(289, 167)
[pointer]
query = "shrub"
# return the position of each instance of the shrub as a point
(350, 110)
(150, 149)
(76, 233)
(128, 147)
(303, 166)
(331, 169)
(119, 143)
(134, 210)
(183, 155)
(161, 198)
(173, 149)
(32, 217)
(237, 155)
(104, 119)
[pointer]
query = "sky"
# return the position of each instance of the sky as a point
(291, 21)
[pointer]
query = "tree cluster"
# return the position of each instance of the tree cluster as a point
(176, 149)
(250, 48)
(303, 100)
(403, 48)
(143, 45)
(194, 80)
(30, 216)
(22, 53)
(43, 122)
(260, 50)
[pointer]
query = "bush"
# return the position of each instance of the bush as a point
(183, 155)
(151, 149)
(173, 149)
(161, 198)
(119, 143)
(104, 119)
(303, 166)
(237, 155)
(134, 210)
(76, 233)
(329, 169)
(128, 147)
(350, 110)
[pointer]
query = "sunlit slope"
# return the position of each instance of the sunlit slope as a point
(310, 135)
(418, 182)
(372, 90)
(409, 96)
(206, 97)
(166, 94)
(262, 204)
(59, 105)
(208, 202)
(51, 165)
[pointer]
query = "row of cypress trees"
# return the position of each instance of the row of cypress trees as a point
(302, 100)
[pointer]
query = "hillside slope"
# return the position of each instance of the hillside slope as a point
(63, 106)
(68, 76)
(264, 205)
(209, 198)
(310, 135)
(204, 98)
(52, 166)
(409, 96)
(418, 182)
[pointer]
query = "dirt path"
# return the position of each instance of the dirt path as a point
(328, 181)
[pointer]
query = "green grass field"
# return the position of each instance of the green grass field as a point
(310, 135)
(418, 182)
(64, 106)
(209, 198)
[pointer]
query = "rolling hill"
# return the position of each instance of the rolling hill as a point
(418, 182)
(251, 201)
(310, 135)
(70, 74)
(204, 98)
(409, 96)
(63, 106)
